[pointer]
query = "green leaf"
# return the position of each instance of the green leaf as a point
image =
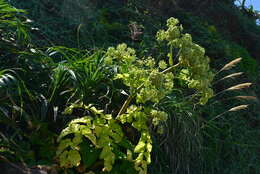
(89, 154)
(89, 134)
(63, 145)
(77, 139)
(109, 158)
(140, 147)
(74, 157)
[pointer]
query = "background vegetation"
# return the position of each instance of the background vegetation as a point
(52, 56)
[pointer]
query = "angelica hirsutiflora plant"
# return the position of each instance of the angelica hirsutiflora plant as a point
(148, 82)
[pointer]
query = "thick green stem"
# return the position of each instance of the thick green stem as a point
(170, 68)
(127, 102)
(129, 99)
(171, 56)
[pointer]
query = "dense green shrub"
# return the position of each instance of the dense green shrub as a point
(148, 84)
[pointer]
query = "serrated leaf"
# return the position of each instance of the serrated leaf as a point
(64, 132)
(86, 120)
(88, 134)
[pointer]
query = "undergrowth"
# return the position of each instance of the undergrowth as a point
(146, 106)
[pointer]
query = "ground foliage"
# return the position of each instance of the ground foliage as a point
(63, 61)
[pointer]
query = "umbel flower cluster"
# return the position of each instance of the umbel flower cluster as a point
(147, 82)
(194, 64)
